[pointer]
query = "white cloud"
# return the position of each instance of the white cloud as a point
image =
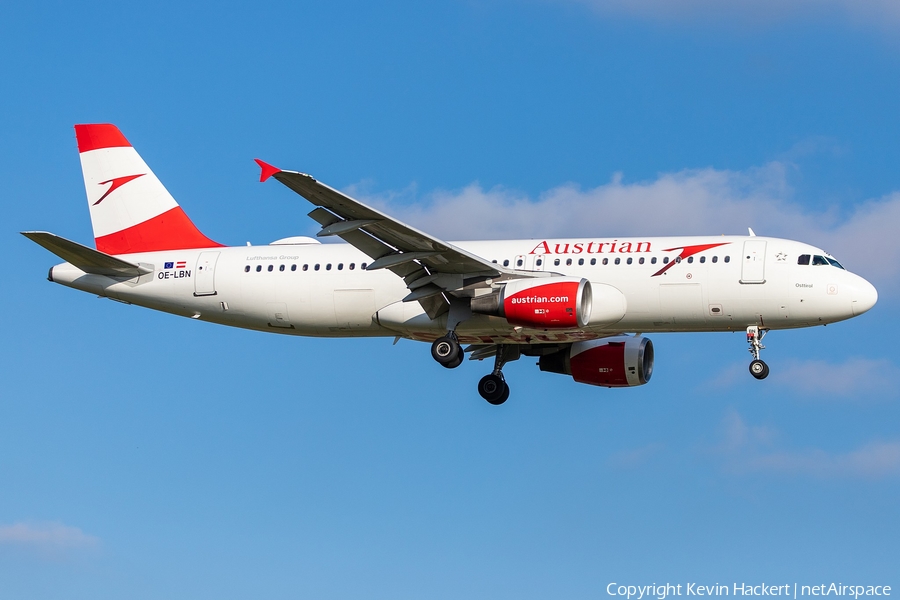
(858, 378)
(747, 448)
(752, 12)
(45, 536)
(690, 202)
(627, 459)
(853, 377)
(874, 460)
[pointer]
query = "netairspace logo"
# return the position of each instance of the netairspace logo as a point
(663, 591)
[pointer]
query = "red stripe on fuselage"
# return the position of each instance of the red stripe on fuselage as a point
(172, 230)
(103, 135)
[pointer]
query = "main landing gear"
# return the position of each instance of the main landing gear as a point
(493, 386)
(758, 368)
(447, 351)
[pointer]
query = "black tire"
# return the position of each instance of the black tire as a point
(493, 389)
(446, 350)
(759, 369)
(504, 397)
(455, 363)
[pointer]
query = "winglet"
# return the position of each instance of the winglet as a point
(267, 170)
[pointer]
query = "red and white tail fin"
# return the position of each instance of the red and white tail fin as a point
(131, 210)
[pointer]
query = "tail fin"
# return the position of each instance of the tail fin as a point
(131, 210)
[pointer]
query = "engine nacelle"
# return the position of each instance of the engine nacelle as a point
(541, 303)
(619, 361)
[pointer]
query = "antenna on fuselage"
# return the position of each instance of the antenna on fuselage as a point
(750, 229)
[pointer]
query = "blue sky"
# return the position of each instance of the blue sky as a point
(147, 456)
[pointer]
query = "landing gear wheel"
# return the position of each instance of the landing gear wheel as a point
(493, 389)
(455, 363)
(446, 351)
(759, 369)
(505, 395)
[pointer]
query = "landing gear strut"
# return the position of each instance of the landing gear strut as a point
(493, 387)
(758, 368)
(446, 349)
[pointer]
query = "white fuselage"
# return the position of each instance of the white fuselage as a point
(323, 290)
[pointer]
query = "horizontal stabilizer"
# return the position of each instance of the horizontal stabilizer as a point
(86, 259)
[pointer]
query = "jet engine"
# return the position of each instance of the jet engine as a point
(545, 303)
(619, 361)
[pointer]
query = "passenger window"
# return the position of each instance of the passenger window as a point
(340, 266)
(727, 259)
(629, 260)
(258, 268)
(568, 262)
(665, 260)
(653, 261)
(281, 268)
(363, 266)
(506, 262)
(352, 266)
(556, 263)
(690, 260)
(306, 267)
(702, 259)
(539, 262)
(677, 260)
(641, 260)
(293, 267)
(803, 259)
(328, 267)
(819, 260)
(715, 259)
(580, 261)
(316, 267)
(519, 263)
(605, 261)
(494, 261)
(247, 269)
(271, 268)
(593, 261)
(618, 260)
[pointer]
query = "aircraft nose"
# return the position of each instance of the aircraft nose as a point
(864, 296)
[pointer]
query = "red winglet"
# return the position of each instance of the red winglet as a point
(267, 170)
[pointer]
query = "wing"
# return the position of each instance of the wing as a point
(431, 268)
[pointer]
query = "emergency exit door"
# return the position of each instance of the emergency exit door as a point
(205, 278)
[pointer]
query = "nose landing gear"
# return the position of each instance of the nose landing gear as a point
(758, 368)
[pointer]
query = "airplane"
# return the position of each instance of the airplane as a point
(580, 306)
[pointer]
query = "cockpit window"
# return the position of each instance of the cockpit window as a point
(803, 259)
(834, 263)
(819, 260)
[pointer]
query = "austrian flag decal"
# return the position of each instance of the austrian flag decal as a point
(176, 269)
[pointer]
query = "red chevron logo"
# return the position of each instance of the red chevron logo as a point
(685, 252)
(116, 184)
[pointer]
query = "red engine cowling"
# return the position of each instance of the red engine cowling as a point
(545, 303)
(620, 361)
